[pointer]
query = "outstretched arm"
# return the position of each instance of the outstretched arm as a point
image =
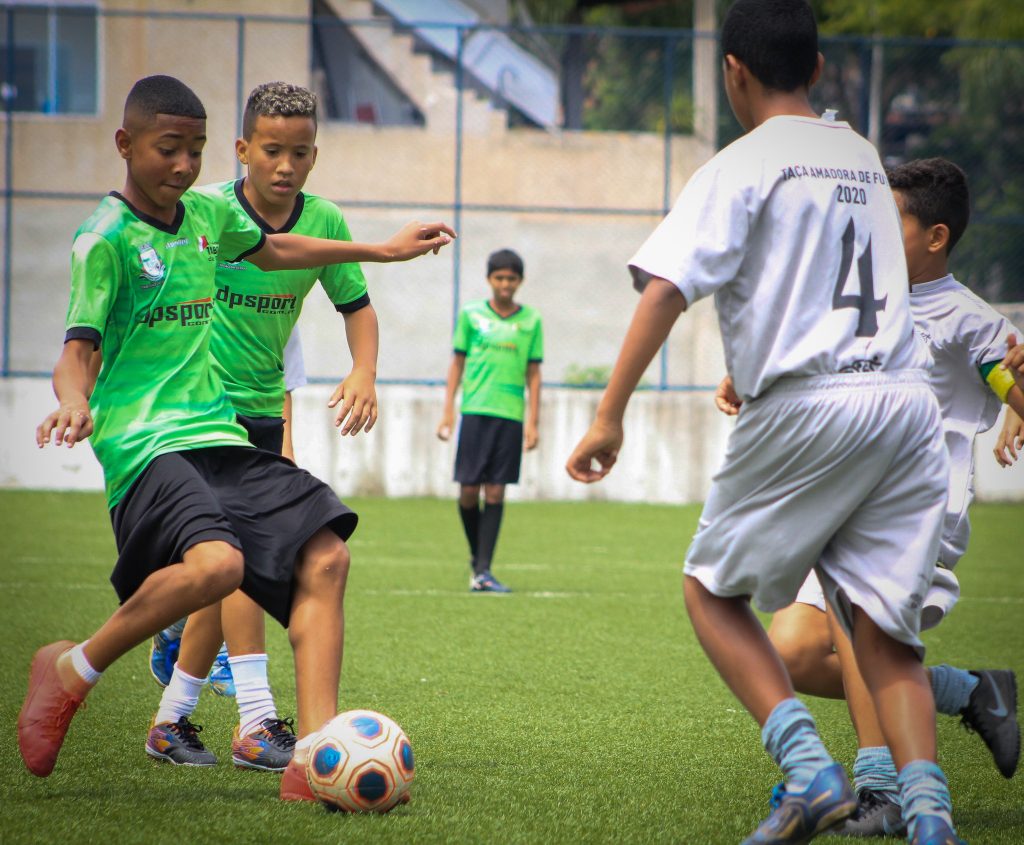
(73, 379)
(296, 252)
(455, 371)
(659, 308)
(357, 394)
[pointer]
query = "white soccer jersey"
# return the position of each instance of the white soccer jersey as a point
(794, 229)
(964, 334)
(294, 365)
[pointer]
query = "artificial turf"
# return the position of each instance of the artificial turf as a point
(578, 709)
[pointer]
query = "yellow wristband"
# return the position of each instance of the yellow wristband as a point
(1000, 381)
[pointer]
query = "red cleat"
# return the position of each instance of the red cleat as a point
(294, 785)
(47, 711)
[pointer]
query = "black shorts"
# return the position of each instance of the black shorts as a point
(264, 432)
(490, 450)
(256, 501)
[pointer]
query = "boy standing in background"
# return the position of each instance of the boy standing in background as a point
(499, 347)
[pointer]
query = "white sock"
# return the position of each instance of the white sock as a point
(181, 696)
(252, 692)
(82, 665)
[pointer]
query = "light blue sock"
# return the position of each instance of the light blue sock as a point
(924, 792)
(792, 740)
(952, 688)
(874, 769)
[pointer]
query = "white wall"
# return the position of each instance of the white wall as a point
(674, 441)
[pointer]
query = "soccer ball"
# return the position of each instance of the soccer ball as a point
(360, 762)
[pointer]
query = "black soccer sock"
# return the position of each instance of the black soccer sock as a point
(471, 525)
(490, 523)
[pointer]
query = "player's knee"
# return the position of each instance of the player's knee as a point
(803, 658)
(469, 495)
(494, 494)
(217, 568)
(324, 565)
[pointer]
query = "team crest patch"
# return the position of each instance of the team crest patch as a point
(152, 267)
(210, 249)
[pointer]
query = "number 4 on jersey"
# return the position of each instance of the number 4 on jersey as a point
(864, 301)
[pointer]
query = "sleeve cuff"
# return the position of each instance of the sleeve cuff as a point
(353, 306)
(84, 333)
(251, 251)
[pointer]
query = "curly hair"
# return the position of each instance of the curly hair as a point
(277, 99)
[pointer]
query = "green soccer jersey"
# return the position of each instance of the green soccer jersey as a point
(254, 311)
(142, 291)
(497, 351)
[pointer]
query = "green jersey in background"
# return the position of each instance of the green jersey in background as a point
(497, 351)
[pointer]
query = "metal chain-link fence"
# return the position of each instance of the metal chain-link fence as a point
(565, 143)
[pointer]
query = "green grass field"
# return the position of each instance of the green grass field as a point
(579, 709)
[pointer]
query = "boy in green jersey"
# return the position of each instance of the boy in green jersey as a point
(254, 314)
(196, 511)
(499, 346)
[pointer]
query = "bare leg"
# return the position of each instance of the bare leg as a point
(800, 634)
(469, 495)
(899, 687)
(200, 641)
(244, 625)
(317, 628)
(494, 494)
(858, 697)
(209, 571)
(738, 646)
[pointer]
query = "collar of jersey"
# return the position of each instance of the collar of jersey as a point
(490, 308)
(267, 229)
(934, 284)
(169, 228)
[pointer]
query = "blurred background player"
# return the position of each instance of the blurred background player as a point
(254, 316)
(499, 347)
(968, 340)
(838, 457)
(186, 490)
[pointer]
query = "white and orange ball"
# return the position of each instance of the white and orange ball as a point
(360, 762)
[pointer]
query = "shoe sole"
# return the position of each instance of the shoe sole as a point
(158, 755)
(256, 767)
(42, 664)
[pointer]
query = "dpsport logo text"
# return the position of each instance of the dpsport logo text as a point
(261, 303)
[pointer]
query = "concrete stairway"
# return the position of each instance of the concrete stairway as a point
(432, 91)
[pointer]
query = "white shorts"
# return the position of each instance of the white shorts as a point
(943, 594)
(846, 472)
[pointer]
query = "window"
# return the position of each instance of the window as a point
(48, 57)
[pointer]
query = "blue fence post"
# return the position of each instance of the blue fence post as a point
(666, 192)
(8, 94)
(457, 199)
(240, 87)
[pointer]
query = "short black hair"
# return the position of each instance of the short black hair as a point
(277, 99)
(153, 95)
(505, 259)
(934, 191)
(776, 39)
